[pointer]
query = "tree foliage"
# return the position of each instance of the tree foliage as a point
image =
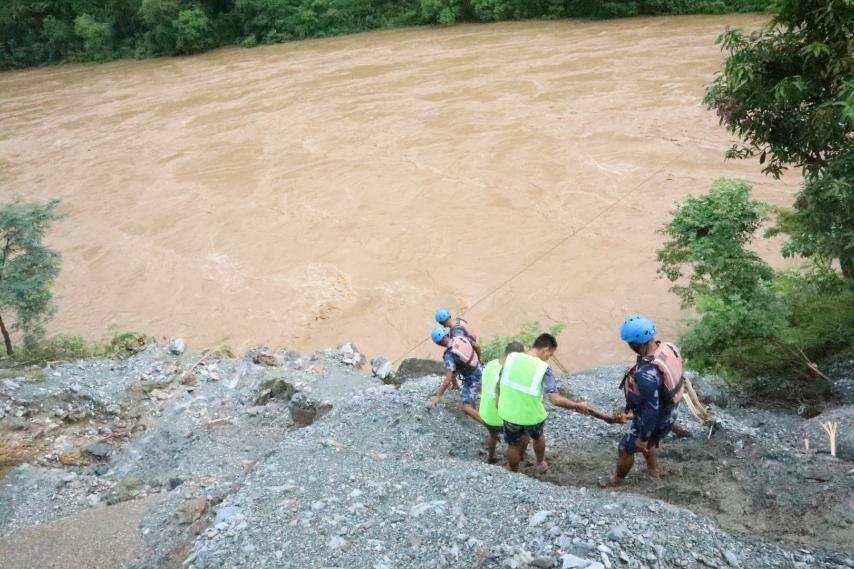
(28, 268)
(710, 234)
(788, 92)
(35, 32)
(752, 320)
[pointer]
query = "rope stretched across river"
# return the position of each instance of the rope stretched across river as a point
(551, 249)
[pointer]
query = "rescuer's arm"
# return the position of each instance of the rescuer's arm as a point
(446, 383)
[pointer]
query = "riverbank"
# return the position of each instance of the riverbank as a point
(280, 459)
(44, 33)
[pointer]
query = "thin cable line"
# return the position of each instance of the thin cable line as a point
(551, 249)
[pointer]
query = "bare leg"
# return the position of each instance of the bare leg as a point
(491, 442)
(515, 453)
(472, 412)
(540, 453)
(524, 442)
(625, 461)
(651, 462)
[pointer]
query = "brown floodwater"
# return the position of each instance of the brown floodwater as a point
(309, 193)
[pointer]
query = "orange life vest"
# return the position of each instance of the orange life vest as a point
(668, 360)
(462, 348)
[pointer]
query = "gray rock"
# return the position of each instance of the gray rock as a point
(336, 542)
(730, 557)
(539, 517)
(277, 389)
(227, 514)
(617, 533)
(572, 562)
(416, 367)
(710, 389)
(305, 411)
(350, 355)
(381, 368)
(99, 450)
(177, 347)
(543, 562)
(128, 488)
(62, 444)
(420, 509)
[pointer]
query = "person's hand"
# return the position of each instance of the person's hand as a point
(433, 401)
(642, 446)
(620, 417)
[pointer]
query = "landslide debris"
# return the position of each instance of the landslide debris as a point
(284, 460)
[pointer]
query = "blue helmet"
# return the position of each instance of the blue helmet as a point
(443, 315)
(637, 329)
(439, 334)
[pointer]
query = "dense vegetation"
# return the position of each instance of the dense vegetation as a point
(35, 32)
(788, 93)
(753, 320)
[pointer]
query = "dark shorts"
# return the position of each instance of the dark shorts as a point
(470, 391)
(493, 430)
(513, 433)
(662, 429)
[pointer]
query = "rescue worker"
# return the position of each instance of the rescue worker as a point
(488, 408)
(457, 327)
(653, 389)
(460, 361)
(525, 377)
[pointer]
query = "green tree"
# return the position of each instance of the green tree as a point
(443, 12)
(96, 37)
(752, 321)
(192, 31)
(788, 92)
(28, 268)
(710, 234)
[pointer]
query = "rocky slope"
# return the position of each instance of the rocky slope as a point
(172, 459)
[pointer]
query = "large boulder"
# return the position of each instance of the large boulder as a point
(274, 389)
(710, 389)
(349, 354)
(418, 367)
(382, 369)
(305, 411)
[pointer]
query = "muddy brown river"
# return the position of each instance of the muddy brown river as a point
(305, 194)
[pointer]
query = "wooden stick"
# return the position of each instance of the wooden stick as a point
(830, 429)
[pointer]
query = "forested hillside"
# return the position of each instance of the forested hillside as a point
(37, 32)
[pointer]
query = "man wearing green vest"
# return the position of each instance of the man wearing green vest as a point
(525, 377)
(488, 407)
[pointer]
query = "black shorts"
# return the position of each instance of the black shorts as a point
(493, 430)
(513, 433)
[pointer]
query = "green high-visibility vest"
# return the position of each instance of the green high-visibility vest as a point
(489, 382)
(521, 398)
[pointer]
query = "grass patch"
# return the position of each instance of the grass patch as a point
(63, 348)
(494, 348)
